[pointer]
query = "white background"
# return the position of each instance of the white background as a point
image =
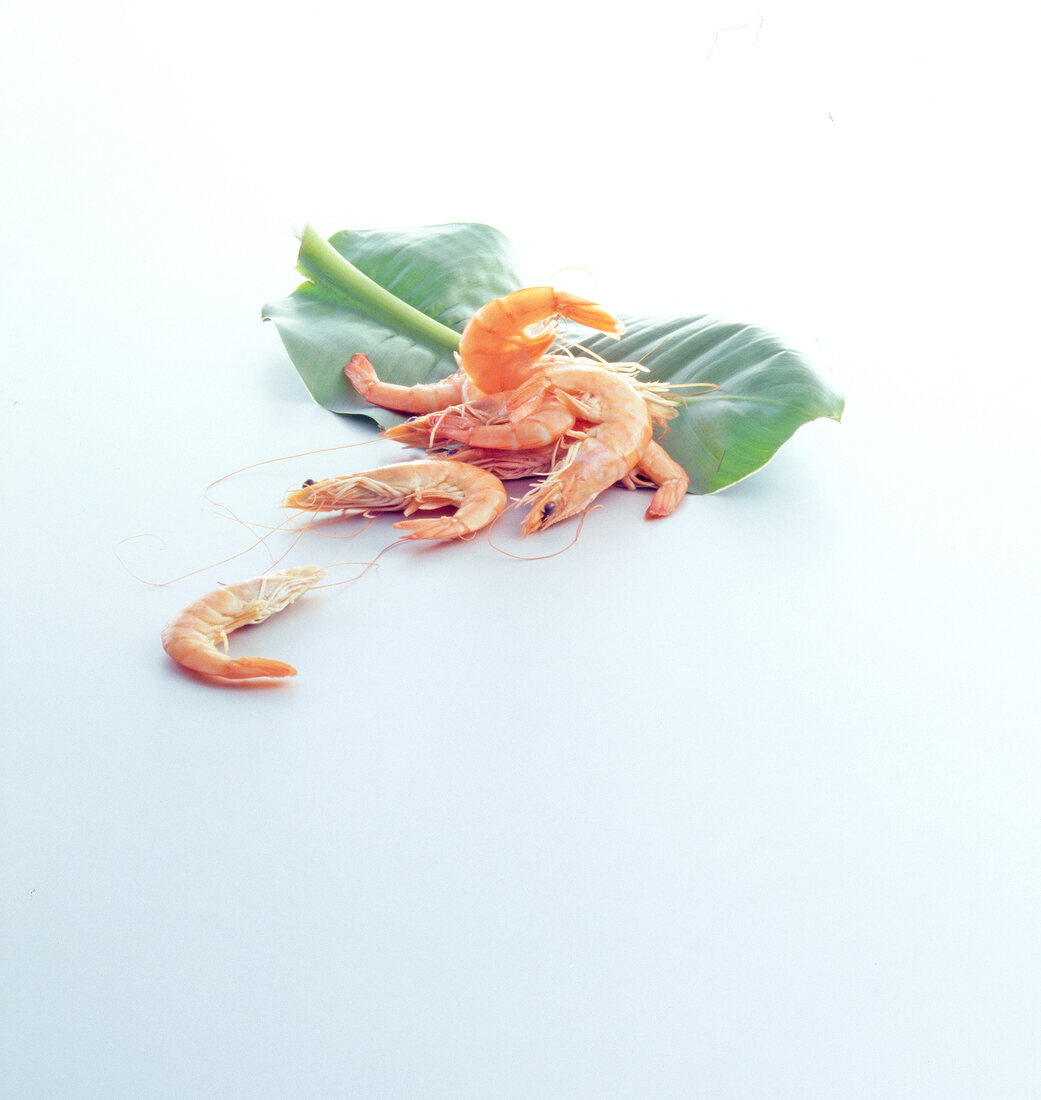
(743, 803)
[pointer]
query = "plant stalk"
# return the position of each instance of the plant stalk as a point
(319, 261)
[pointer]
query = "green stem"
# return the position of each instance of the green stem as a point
(318, 260)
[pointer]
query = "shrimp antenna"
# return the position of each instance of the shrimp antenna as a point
(541, 557)
(221, 508)
(286, 458)
(374, 564)
(707, 388)
(587, 271)
(191, 572)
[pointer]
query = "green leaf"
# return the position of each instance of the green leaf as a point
(400, 296)
(766, 391)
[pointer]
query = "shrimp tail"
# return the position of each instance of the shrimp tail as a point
(584, 312)
(411, 433)
(249, 668)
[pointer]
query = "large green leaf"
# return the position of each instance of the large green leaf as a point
(402, 296)
(766, 391)
(379, 292)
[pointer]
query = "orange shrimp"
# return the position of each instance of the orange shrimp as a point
(609, 450)
(499, 348)
(191, 638)
(426, 484)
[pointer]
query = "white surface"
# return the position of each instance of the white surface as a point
(739, 804)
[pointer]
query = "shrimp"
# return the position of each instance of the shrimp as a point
(425, 484)
(191, 638)
(608, 451)
(496, 351)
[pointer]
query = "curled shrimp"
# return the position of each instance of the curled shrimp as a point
(478, 496)
(619, 433)
(192, 637)
(507, 337)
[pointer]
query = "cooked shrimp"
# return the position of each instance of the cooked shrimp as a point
(498, 350)
(192, 637)
(619, 434)
(426, 484)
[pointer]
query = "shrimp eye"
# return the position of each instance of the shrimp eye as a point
(309, 481)
(549, 508)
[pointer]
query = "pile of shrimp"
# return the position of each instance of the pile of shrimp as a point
(511, 410)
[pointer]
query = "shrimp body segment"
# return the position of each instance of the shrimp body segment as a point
(486, 423)
(422, 398)
(192, 637)
(426, 484)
